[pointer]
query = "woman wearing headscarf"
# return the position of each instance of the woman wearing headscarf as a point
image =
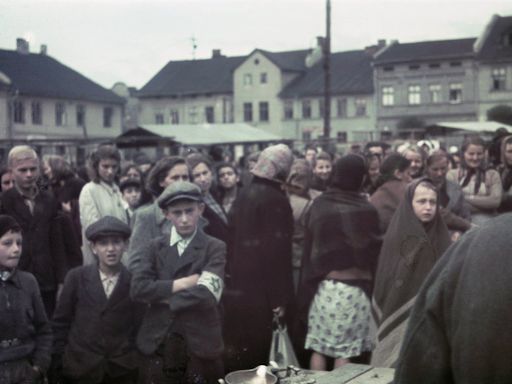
(505, 170)
(416, 238)
(391, 185)
(481, 186)
(260, 267)
(342, 241)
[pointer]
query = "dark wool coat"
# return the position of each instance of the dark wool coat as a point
(42, 238)
(96, 335)
(193, 311)
(260, 270)
(459, 329)
(386, 199)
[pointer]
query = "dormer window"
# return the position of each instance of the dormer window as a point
(506, 39)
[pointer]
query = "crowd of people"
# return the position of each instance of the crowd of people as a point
(174, 271)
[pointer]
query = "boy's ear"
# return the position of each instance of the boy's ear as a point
(201, 207)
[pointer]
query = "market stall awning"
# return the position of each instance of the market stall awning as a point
(199, 134)
(469, 126)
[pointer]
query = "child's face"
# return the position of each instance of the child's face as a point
(109, 250)
(323, 169)
(202, 176)
(424, 203)
(184, 216)
(10, 249)
(107, 170)
(132, 196)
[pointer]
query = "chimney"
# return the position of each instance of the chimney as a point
(381, 43)
(320, 40)
(22, 46)
(44, 50)
(216, 53)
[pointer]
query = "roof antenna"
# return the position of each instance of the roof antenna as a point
(193, 40)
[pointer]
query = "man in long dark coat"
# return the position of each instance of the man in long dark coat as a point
(260, 269)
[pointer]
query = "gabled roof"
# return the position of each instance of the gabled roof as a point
(426, 50)
(351, 73)
(493, 47)
(43, 76)
(193, 77)
(294, 61)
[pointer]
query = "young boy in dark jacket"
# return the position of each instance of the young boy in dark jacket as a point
(95, 322)
(181, 278)
(25, 332)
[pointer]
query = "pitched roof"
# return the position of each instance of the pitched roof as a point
(41, 75)
(426, 50)
(192, 77)
(493, 47)
(351, 73)
(288, 60)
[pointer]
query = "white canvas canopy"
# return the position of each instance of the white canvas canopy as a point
(473, 126)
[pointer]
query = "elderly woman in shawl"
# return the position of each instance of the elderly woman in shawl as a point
(416, 238)
(340, 254)
(260, 269)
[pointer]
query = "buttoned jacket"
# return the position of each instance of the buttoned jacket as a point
(194, 311)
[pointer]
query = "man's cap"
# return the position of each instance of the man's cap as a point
(127, 183)
(107, 226)
(180, 190)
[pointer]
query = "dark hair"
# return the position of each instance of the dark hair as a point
(3, 171)
(436, 156)
(392, 163)
(472, 140)
(322, 156)
(104, 152)
(225, 164)
(61, 169)
(8, 223)
(159, 172)
(194, 159)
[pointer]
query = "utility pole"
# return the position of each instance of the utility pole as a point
(327, 76)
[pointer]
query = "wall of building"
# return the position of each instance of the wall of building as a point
(190, 109)
(490, 97)
(69, 129)
(425, 74)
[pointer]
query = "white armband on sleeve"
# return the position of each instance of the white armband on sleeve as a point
(212, 282)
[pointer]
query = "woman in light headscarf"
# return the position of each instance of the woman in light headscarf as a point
(416, 238)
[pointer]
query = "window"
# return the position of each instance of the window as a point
(321, 107)
(159, 118)
(288, 110)
(455, 64)
(263, 78)
(247, 79)
(263, 106)
(434, 91)
(499, 76)
(388, 96)
(247, 111)
(19, 112)
(455, 95)
(192, 115)
(434, 65)
(108, 113)
(506, 39)
(414, 94)
(414, 67)
(37, 113)
(175, 116)
(341, 137)
(306, 135)
(60, 114)
(80, 115)
(360, 107)
(341, 107)
(388, 69)
(209, 114)
(306, 109)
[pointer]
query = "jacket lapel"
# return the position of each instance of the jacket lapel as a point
(122, 288)
(93, 285)
(192, 251)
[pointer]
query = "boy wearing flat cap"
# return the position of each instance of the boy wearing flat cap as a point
(181, 277)
(96, 322)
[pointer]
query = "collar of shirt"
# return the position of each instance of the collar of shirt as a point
(31, 196)
(181, 243)
(104, 277)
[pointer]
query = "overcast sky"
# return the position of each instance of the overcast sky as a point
(131, 40)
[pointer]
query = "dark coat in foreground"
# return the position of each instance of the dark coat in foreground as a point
(96, 335)
(260, 269)
(195, 310)
(459, 329)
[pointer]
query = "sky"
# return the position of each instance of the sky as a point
(131, 40)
